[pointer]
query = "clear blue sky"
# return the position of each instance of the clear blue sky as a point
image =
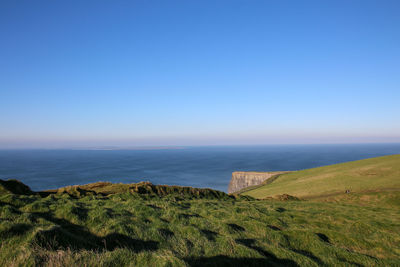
(134, 73)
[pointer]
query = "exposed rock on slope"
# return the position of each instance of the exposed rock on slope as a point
(104, 189)
(144, 189)
(242, 180)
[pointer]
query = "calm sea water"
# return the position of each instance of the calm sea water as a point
(192, 166)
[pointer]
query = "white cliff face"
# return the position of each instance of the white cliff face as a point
(242, 180)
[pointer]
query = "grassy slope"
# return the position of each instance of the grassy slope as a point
(141, 224)
(122, 230)
(375, 174)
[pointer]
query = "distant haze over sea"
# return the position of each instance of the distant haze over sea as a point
(187, 166)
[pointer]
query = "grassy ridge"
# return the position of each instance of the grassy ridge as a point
(142, 189)
(376, 174)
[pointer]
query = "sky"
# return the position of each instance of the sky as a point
(166, 73)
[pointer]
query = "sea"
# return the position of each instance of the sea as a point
(205, 167)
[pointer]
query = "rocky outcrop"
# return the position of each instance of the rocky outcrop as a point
(144, 190)
(242, 180)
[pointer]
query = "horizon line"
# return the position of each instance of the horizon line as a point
(168, 147)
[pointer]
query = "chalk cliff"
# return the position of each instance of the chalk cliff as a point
(242, 180)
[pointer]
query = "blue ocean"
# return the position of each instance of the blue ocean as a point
(209, 167)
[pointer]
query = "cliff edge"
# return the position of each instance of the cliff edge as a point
(242, 180)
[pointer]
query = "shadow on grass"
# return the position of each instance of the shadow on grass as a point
(10, 209)
(166, 233)
(230, 261)
(236, 227)
(184, 206)
(304, 253)
(188, 216)
(153, 206)
(280, 209)
(75, 237)
(16, 230)
(270, 258)
(210, 235)
(80, 212)
(323, 238)
(309, 255)
(273, 227)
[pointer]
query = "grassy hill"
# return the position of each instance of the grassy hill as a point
(105, 224)
(362, 177)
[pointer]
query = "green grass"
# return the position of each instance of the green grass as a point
(106, 224)
(380, 174)
(127, 229)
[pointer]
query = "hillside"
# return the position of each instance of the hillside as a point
(367, 176)
(105, 224)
